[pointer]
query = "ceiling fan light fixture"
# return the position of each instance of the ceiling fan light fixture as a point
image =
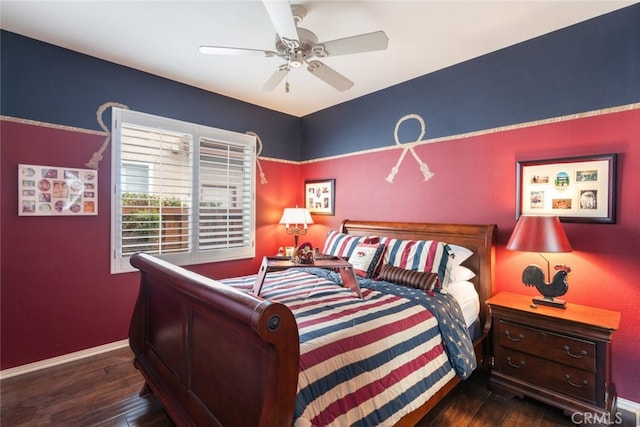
(319, 51)
(296, 59)
(313, 65)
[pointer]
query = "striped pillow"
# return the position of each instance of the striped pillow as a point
(342, 245)
(429, 256)
(428, 282)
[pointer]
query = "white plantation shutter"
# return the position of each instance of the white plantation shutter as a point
(184, 201)
(226, 196)
(155, 221)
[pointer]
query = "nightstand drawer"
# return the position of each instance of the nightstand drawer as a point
(567, 350)
(562, 378)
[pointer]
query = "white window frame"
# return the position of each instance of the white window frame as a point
(119, 262)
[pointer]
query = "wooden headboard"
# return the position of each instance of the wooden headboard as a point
(481, 239)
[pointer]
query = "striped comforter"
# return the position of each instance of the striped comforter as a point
(363, 362)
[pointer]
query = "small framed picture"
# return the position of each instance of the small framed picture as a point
(320, 196)
(576, 189)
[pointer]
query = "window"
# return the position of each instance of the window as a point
(182, 192)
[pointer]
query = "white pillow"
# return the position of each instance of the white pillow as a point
(460, 273)
(468, 298)
(460, 254)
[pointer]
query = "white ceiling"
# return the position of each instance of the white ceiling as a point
(162, 37)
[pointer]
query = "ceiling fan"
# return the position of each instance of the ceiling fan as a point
(299, 46)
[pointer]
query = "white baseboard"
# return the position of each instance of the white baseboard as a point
(630, 406)
(54, 361)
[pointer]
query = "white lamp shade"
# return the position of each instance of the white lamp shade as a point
(296, 216)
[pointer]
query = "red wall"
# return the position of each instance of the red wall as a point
(474, 182)
(59, 297)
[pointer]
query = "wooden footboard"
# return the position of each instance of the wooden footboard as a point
(213, 355)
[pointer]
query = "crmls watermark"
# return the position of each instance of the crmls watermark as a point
(590, 418)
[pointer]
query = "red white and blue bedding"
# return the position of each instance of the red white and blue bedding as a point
(367, 361)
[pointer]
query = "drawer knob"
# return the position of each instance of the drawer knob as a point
(568, 378)
(513, 365)
(582, 354)
(516, 339)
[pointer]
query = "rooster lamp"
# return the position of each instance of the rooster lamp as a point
(542, 234)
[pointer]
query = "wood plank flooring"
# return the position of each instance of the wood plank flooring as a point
(103, 391)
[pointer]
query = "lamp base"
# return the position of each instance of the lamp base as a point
(558, 303)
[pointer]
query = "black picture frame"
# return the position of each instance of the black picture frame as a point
(576, 189)
(320, 196)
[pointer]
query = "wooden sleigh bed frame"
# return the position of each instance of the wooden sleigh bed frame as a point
(214, 355)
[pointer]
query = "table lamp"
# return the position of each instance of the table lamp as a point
(293, 219)
(542, 234)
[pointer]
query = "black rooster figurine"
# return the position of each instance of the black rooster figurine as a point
(534, 276)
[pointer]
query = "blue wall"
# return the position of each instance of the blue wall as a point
(560, 73)
(585, 67)
(49, 84)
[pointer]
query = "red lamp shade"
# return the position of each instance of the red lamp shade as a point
(539, 234)
(542, 234)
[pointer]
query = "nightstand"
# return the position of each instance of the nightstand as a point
(561, 357)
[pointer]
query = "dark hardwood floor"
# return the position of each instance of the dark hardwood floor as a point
(103, 391)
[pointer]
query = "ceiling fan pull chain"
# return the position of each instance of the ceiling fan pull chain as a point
(286, 83)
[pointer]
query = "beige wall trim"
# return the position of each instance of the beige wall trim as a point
(576, 116)
(52, 125)
(569, 117)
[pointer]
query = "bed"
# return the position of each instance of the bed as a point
(216, 354)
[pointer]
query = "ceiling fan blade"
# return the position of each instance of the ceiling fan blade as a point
(236, 51)
(280, 13)
(377, 40)
(329, 75)
(275, 78)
